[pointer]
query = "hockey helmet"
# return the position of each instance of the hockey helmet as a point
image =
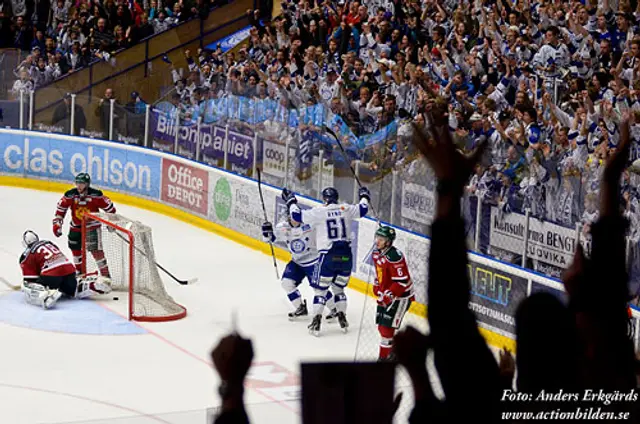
(387, 232)
(29, 238)
(83, 178)
(330, 195)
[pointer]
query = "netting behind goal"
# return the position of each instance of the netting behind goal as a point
(122, 249)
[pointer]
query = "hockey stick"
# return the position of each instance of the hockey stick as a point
(177, 280)
(353, 171)
(266, 219)
(8, 284)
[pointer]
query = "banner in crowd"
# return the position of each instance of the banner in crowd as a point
(252, 111)
(52, 157)
(547, 242)
(418, 203)
(495, 295)
(210, 137)
(274, 159)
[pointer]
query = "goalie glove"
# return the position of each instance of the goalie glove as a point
(288, 197)
(267, 232)
(57, 227)
(386, 298)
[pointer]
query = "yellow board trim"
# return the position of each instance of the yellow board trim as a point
(418, 309)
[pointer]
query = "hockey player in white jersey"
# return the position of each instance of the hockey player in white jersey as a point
(300, 240)
(333, 270)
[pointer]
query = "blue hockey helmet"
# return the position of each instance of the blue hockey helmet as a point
(330, 195)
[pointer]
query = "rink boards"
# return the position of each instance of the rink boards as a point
(229, 204)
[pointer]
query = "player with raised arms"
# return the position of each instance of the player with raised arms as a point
(333, 269)
(301, 242)
(48, 274)
(393, 287)
(82, 199)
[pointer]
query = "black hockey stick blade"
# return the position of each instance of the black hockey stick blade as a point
(173, 277)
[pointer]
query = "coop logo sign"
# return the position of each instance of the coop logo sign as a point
(274, 155)
(185, 186)
(274, 159)
(222, 199)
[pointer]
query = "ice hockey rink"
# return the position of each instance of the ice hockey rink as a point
(83, 362)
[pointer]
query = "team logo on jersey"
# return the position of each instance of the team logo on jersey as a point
(297, 246)
(81, 211)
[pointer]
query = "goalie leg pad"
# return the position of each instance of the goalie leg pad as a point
(93, 285)
(38, 295)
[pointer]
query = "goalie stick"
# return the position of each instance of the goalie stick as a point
(176, 279)
(266, 219)
(8, 284)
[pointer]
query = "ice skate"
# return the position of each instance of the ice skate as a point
(314, 327)
(332, 315)
(342, 320)
(300, 312)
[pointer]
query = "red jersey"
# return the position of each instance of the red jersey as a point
(392, 273)
(92, 201)
(44, 258)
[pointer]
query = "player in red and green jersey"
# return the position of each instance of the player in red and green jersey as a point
(393, 287)
(83, 199)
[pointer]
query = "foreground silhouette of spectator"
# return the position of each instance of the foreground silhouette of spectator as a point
(584, 345)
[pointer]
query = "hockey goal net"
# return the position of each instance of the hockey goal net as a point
(122, 249)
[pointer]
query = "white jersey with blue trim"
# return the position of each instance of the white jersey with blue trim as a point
(332, 222)
(300, 241)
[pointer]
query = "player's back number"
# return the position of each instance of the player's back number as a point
(336, 228)
(48, 251)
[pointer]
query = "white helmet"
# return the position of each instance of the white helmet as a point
(29, 238)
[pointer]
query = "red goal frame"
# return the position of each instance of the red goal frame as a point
(130, 238)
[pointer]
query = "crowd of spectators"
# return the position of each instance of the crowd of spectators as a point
(545, 82)
(62, 36)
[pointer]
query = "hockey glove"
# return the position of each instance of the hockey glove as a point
(267, 232)
(386, 298)
(57, 228)
(289, 197)
(363, 193)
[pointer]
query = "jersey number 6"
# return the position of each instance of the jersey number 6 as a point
(333, 229)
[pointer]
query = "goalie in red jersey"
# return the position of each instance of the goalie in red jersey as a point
(47, 274)
(81, 200)
(393, 287)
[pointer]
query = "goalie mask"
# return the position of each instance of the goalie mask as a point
(29, 238)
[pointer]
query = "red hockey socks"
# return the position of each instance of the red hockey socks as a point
(77, 260)
(101, 261)
(386, 341)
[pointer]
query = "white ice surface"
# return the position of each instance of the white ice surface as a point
(165, 375)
